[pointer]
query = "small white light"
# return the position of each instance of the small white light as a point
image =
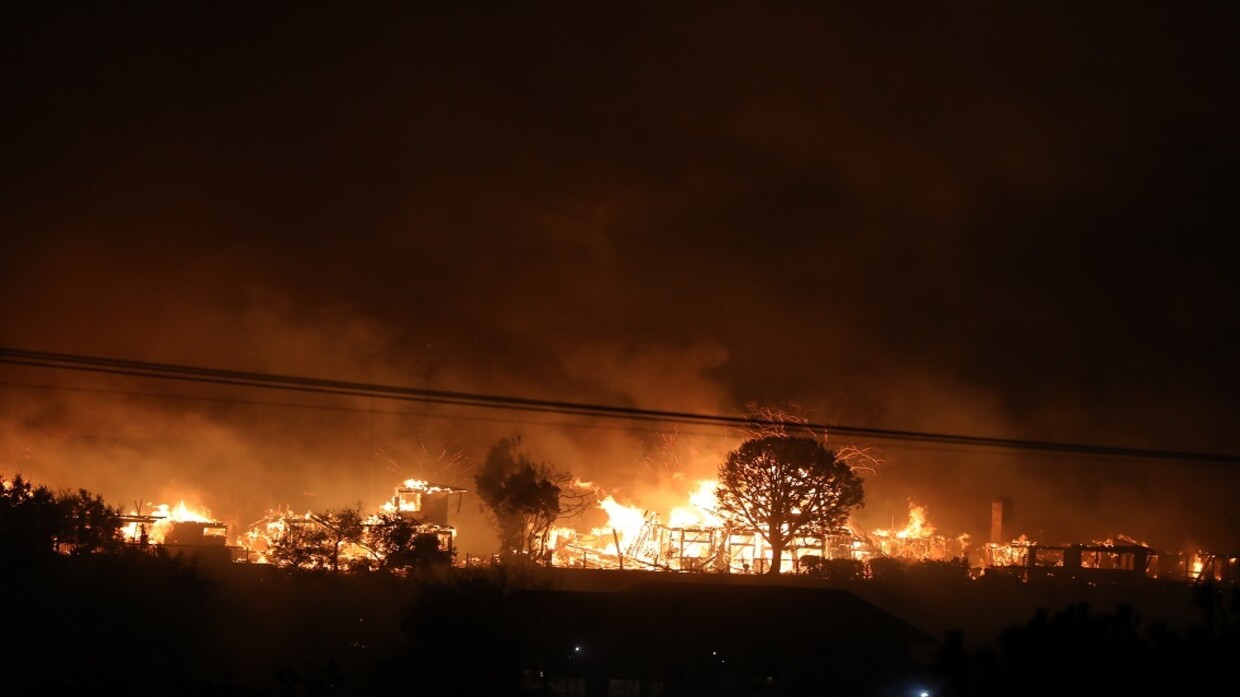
(924, 693)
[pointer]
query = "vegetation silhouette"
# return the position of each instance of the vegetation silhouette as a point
(524, 497)
(787, 487)
(34, 521)
(1081, 651)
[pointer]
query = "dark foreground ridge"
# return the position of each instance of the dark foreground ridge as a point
(136, 623)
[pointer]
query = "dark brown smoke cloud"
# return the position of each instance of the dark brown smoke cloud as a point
(975, 219)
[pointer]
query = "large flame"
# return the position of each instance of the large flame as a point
(161, 519)
(633, 533)
(916, 528)
(702, 510)
(696, 537)
(623, 522)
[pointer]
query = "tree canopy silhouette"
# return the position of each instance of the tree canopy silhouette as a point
(524, 497)
(403, 547)
(317, 542)
(88, 524)
(33, 520)
(787, 487)
(30, 518)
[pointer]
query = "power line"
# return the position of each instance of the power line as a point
(215, 376)
(441, 416)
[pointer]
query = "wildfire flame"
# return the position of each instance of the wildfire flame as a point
(163, 518)
(625, 521)
(702, 511)
(917, 527)
(696, 537)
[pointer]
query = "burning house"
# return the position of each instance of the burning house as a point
(180, 530)
(1115, 560)
(431, 508)
(436, 508)
(1027, 559)
(1121, 558)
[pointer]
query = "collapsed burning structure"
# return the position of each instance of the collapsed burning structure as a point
(695, 538)
(1122, 557)
(1110, 559)
(690, 538)
(429, 508)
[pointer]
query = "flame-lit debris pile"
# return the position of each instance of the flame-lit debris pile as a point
(262, 537)
(1027, 555)
(431, 506)
(918, 540)
(1117, 557)
(1223, 568)
(192, 530)
(696, 538)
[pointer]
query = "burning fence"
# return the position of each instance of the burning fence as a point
(1112, 558)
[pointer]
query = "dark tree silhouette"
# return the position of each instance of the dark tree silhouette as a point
(787, 487)
(30, 518)
(523, 497)
(403, 547)
(88, 524)
(33, 520)
(343, 527)
(317, 543)
(301, 545)
(1111, 653)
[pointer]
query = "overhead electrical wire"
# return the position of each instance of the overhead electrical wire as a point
(215, 376)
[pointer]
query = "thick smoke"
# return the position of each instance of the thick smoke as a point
(984, 225)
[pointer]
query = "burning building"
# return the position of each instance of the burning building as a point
(1122, 558)
(431, 509)
(179, 530)
(696, 538)
(436, 508)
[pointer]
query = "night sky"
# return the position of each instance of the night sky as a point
(1000, 221)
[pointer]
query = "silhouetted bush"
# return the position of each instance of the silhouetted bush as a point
(461, 641)
(833, 569)
(888, 568)
(1078, 651)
